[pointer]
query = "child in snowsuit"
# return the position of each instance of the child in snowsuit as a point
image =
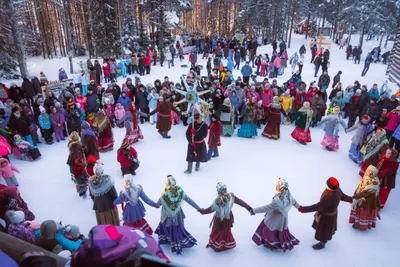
(70, 237)
(45, 125)
(20, 228)
(119, 113)
(7, 172)
(127, 158)
(109, 110)
(57, 123)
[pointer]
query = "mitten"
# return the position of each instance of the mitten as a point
(301, 209)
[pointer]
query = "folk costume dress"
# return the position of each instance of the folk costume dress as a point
(105, 138)
(134, 211)
(214, 137)
(387, 168)
(171, 229)
(133, 131)
(273, 231)
(102, 188)
(164, 110)
(226, 114)
(75, 152)
(358, 140)
(303, 118)
(273, 114)
(331, 128)
(249, 126)
(89, 141)
(365, 208)
(197, 149)
(221, 237)
(375, 147)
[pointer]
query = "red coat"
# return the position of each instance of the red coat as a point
(125, 161)
(106, 69)
(387, 172)
(147, 60)
(215, 131)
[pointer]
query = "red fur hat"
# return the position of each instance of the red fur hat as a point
(332, 183)
(91, 159)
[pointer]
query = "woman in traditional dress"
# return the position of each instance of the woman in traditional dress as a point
(331, 128)
(375, 147)
(364, 128)
(214, 137)
(226, 114)
(171, 229)
(89, 141)
(134, 211)
(365, 208)
(221, 237)
(75, 152)
(273, 114)
(273, 231)
(133, 132)
(387, 168)
(103, 193)
(303, 118)
(249, 126)
(165, 109)
(105, 137)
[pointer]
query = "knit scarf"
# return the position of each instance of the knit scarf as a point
(172, 199)
(100, 185)
(223, 205)
(375, 144)
(132, 193)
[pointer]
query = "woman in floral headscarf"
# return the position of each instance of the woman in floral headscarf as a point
(75, 151)
(134, 211)
(105, 137)
(221, 237)
(133, 131)
(89, 141)
(273, 231)
(171, 229)
(387, 168)
(303, 118)
(331, 129)
(273, 114)
(376, 146)
(365, 208)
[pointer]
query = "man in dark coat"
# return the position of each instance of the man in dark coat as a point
(197, 149)
(274, 46)
(317, 63)
(323, 81)
(93, 102)
(302, 50)
(116, 91)
(357, 51)
(19, 125)
(282, 47)
(36, 85)
(336, 79)
(141, 102)
(325, 218)
(355, 108)
(15, 93)
(27, 88)
(73, 118)
(349, 51)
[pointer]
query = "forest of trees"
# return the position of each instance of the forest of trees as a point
(110, 28)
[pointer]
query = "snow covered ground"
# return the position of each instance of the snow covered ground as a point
(249, 168)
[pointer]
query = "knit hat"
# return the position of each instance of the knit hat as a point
(332, 183)
(98, 169)
(42, 109)
(71, 103)
(12, 204)
(124, 145)
(48, 229)
(91, 159)
(365, 117)
(339, 94)
(15, 217)
(72, 231)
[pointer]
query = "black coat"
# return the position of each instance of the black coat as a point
(336, 80)
(201, 131)
(19, 125)
(326, 55)
(390, 105)
(324, 80)
(317, 61)
(50, 102)
(99, 71)
(105, 202)
(73, 121)
(302, 50)
(116, 92)
(36, 86)
(16, 94)
(27, 87)
(141, 99)
(372, 110)
(355, 107)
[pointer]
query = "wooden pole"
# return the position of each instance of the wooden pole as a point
(15, 248)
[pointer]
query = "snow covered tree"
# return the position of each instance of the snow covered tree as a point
(104, 28)
(7, 56)
(131, 39)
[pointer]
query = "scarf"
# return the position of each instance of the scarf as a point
(282, 196)
(375, 144)
(132, 192)
(172, 197)
(275, 103)
(370, 182)
(223, 203)
(102, 123)
(100, 185)
(73, 139)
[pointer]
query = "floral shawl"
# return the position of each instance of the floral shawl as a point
(223, 203)
(370, 182)
(172, 200)
(375, 144)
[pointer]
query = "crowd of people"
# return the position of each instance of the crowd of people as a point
(86, 112)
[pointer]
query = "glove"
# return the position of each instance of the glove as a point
(301, 209)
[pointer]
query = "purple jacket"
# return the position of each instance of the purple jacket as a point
(57, 118)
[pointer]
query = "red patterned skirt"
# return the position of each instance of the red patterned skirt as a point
(331, 142)
(221, 238)
(301, 135)
(363, 219)
(142, 225)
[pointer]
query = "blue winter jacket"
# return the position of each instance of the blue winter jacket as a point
(66, 243)
(153, 100)
(235, 100)
(44, 121)
(93, 103)
(83, 115)
(246, 71)
(374, 94)
(347, 97)
(124, 101)
(121, 64)
(62, 76)
(396, 133)
(230, 64)
(237, 57)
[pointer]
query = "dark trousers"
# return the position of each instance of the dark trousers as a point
(48, 135)
(356, 60)
(352, 120)
(300, 68)
(246, 79)
(212, 152)
(394, 143)
(365, 70)
(237, 65)
(147, 69)
(389, 134)
(312, 58)
(29, 99)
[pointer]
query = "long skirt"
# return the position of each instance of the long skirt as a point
(363, 219)
(301, 135)
(248, 130)
(105, 144)
(355, 154)
(176, 236)
(383, 196)
(272, 131)
(133, 136)
(331, 142)
(108, 217)
(221, 237)
(142, 225)
(227, 129)
(280, 240)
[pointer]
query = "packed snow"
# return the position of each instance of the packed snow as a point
(249, 168)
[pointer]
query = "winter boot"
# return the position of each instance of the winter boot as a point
(319, 246)
(189, 168)
(161, 133)
(197, 168)
(165, 135)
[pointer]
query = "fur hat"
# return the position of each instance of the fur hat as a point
(48, 229)
(15, 217)
(72, 231)
(332, 183)
(91, 159)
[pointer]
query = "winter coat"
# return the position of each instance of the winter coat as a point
(113, 67)
(5, 148)
(235, 101)
(237, 56)
(387, 173)
(27, 87)
(141, 99)
(153, 100)
(282, 46)
(336, 80)
(392, 124)
(106, 69)
(331, 127)
(66, 243)
(22, 231)
(147, 61)
(44, 121)
(15, 93)
(230, 64)
(93, 103)
(286, 102)
(57, 118)
(124, 101)
(317, 61)
(36, 86)
(7, 172)
(124, 157)
(324, 80)
(277, 62)
(317, 104)
(62, 76)
(19, 125)
(363, 130)
(372, 110)
(374, 94)
(246, 71)
(266, 97)
(214, 137)
(302, 50)
(81, 101)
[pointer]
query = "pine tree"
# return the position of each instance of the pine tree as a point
(131, 38)
(7, 56)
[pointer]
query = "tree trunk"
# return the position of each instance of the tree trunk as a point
(291, 23)
(16, 35)
(380, 42)
(70, 50)
(362, 36)
(162, 25)
(308, 25)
